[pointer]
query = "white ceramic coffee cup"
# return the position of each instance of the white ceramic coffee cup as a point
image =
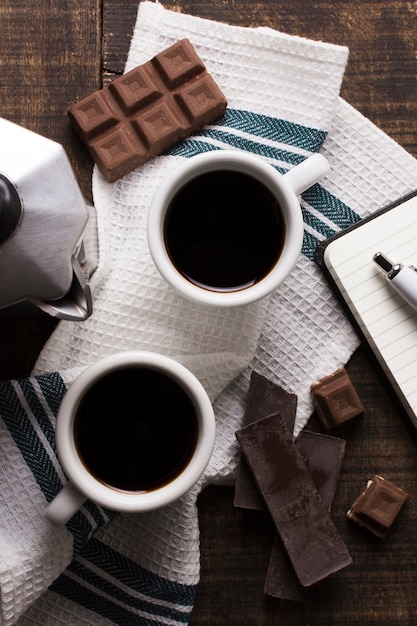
(83, 485)
(284, 187)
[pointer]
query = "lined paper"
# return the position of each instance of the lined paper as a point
(388, 323)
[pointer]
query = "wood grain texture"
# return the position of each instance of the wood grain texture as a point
(66, 46)
(50, 56)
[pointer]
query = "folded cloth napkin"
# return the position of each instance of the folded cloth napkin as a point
(105, 568)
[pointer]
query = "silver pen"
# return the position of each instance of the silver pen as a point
(402, 277)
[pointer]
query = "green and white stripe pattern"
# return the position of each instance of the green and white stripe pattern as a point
(283, 144)
(99, 578)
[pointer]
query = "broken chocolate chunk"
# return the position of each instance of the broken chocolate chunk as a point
(264, 397)
(308, 534)
(336, 399)
(323, 456)
(378, 506)
(147, 110)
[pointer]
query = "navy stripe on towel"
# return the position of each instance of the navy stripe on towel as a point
(29, 408)
(274, 129)
(284, 144)
(104, 581)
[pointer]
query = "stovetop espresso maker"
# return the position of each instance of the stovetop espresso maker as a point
(43, 216)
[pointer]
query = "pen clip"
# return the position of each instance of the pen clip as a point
(387, 266)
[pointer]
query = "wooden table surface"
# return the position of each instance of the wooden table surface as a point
(53, 53)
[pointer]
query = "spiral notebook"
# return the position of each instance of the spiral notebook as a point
(381, 317)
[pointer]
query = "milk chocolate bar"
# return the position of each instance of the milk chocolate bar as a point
(323, 456)
(378, 506)
(336, 399)
(147, 110)
(310, 537)
(264, 397)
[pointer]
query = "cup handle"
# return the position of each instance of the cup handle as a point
(60, 510)
(307, 173)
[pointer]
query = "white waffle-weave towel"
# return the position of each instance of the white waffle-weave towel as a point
(283, 103)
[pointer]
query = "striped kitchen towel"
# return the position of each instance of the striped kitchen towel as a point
(283, 105)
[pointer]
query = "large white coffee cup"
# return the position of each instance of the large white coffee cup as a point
(126, 405)
(260, 189)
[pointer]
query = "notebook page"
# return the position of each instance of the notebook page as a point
(389, 323)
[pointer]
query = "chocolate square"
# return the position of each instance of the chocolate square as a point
(118, 150)
(178, 63)
(198, 98)
(158, 124)
(378, 506)
(136, 89)
(336, 399)
(94, 115)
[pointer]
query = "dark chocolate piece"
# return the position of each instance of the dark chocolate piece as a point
(336, 399)
(147, 110)
(310, 537)
(323, 457)
(264, 397)
(378, 506)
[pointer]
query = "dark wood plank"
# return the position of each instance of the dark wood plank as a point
(50, 54)
(50, 57)
(119, 17)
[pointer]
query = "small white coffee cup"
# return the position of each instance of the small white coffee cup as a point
(92, 451)
(180, 256)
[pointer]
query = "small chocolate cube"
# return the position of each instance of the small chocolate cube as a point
(378, 506)
(336, 399)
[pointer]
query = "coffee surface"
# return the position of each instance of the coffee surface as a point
(224, 231)
(136, 429)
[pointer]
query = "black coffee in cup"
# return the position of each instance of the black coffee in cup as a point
(135, 429)
(224, 230)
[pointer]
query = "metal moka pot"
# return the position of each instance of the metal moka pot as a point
(43, 216)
